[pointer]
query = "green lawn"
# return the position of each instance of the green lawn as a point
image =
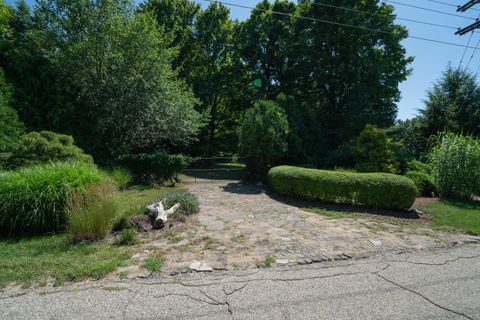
(55, 258)
(42, 259)
(463, 216)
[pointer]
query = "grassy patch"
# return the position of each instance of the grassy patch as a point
(135, 198)
(461, 216)
(39, 260)
(154, 264)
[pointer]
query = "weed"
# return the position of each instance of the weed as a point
(126, 237)
(269, 260)
(154, 264)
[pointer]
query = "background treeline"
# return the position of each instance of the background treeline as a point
(165, 75)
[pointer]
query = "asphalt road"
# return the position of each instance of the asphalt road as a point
(440, 284)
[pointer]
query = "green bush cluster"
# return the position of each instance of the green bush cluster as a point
(379, 190)
(423, 181)
(155, 167)
(263, 136)
(36, 148)
(455, 162)
(189, 203)
(420, 174)
(33, 200)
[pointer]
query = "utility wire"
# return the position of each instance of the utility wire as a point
(450, 4)
(465, 51)
(378, 14)
(428, 9)
(473, 53)
(336, 23)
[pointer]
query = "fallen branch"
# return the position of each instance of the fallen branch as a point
(158, 214)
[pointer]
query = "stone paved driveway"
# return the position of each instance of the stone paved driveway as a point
(240, 225)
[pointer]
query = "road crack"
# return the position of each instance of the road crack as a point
(424, 297)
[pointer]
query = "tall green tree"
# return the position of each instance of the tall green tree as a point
(177, 18)
(453, 104)
(10, 126)
(263, 136)
(124, 96)
(268, 45)
(352, 75)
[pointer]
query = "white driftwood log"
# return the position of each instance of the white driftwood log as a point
(159, 215)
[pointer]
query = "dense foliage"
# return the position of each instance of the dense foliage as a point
(379, 190)
(43, 147)
(374, 151)
(455, 162)
(155, 167)
(423, 181)
(263, 136)
(10, 126)
(115, 90)
(33, 200)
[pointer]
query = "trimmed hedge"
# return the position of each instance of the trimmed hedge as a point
(33, 200)
(378, 190)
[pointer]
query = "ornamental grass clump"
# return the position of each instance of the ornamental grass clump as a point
(455, 162)
(91, 212)
(33, 200)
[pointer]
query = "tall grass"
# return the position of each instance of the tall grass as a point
(91, 212)
(122, 177)
(33, 200)
(455, 162)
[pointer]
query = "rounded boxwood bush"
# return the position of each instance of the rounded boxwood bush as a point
(33, 200)
(37, 148)
(378, 190)
(423, 181)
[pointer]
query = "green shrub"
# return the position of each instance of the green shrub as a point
(11, 128)
(423, 181)
(419, 166)
(380, 190)
(91, 212)
(455, 162)
(44, 147)
(126, 237)
(188, 203)
(374, 151)
(263, 136)
(122, 177)
(155, 167)
(32, 200)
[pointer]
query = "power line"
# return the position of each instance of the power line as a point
(428, 9)
(450, 4)
(473, 53)
(336, 23)
(465, 51)
(377, 14)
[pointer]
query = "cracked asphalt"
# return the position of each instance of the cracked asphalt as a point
(435, 284)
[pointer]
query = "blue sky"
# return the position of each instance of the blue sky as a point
(431, 59)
